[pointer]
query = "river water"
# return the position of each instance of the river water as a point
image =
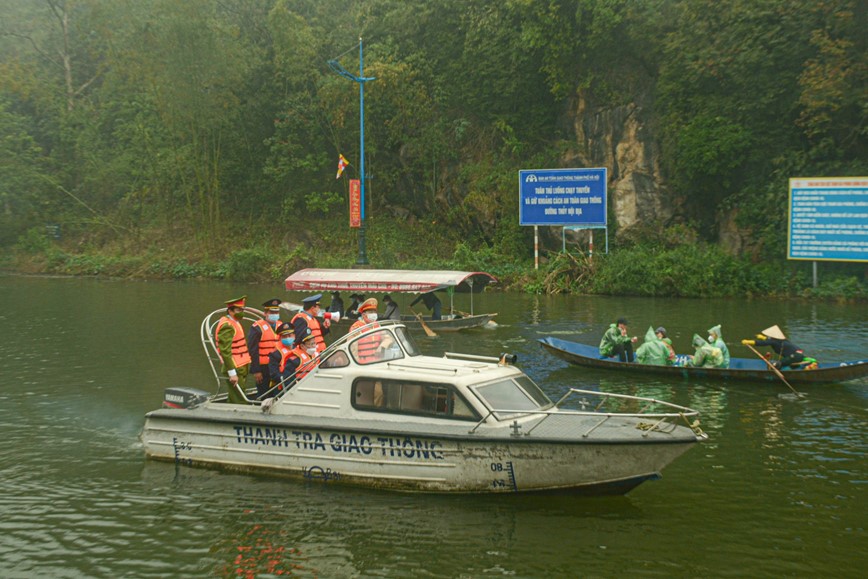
(779, 489)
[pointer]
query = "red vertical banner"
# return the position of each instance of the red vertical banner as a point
(355, 203)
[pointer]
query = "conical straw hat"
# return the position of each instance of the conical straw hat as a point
(774, 332)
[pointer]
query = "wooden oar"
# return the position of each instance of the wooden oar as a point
(425, 327)
(775, 370)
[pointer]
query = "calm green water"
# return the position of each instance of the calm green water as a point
(778, 490)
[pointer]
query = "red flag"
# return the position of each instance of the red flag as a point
(342, 164)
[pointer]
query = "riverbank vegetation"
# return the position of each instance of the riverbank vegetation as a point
(654, 267)
(199, 139)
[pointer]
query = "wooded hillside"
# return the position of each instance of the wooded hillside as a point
(204, 119)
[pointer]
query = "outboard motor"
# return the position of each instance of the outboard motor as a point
(180, 397)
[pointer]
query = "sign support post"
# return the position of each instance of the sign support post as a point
(574, 198)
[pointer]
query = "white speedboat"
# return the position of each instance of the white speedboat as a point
(405, 421)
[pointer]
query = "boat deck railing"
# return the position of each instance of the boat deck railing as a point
(206, 334)
(664, 422)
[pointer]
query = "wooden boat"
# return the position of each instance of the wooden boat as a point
(403, 421)
(397, 281)
(739, 368)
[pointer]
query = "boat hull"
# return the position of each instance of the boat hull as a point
(449, 325)
(393, 460)
(740, 368)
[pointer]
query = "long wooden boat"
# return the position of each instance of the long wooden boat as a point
(739, 368)
(400, 420)
(398, 281)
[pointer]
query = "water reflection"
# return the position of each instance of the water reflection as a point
(335, 531)
(778, 489)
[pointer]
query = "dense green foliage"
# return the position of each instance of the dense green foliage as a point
(208, 132)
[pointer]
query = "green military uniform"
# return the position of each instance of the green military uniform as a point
(224, 346)
(224, 339)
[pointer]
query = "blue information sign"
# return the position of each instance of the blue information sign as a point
(562, 197)
(828, 219)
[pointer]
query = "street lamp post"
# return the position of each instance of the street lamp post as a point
(361, 79)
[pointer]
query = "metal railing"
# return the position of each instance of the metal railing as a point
(665, 422)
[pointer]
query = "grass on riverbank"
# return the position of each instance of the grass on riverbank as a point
(691, 269)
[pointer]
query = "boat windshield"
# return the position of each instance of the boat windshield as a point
(518, 395)
(407, 341)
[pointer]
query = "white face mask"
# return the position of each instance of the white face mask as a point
(710, 339)
(273, 317)
(311, 351)
(371, 317)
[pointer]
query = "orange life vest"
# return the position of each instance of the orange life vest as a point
(369, 344)
(315, 329)
(240, 355)
(306, 363)
(268, 341)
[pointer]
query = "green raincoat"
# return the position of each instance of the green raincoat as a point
(706, 356)
(612, 338)
(720, 344)
(653, 351)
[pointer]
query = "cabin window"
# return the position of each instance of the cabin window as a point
(337, 360)
(506, 395)
(375, 347)
(411, 398)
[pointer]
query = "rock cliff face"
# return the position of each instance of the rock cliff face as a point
(620, 140)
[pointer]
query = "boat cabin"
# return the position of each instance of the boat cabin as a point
(380, 370)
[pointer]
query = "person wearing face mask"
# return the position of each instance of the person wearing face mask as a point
(304, 356)
(279, 369)
(307, 319)
(715, 338)
(367, 347)
(262, 341)
(232, 348)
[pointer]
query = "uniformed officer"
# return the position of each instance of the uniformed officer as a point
(304, 356)
(229, 337)
(280, 370)
(307, 319)
(262, 341)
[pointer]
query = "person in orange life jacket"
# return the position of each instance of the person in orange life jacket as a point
(307, 319)
(279, 369)
(367, 314)
(261, 341)
(369, 346)
(232, 348)
(304, 356)
(431, 302)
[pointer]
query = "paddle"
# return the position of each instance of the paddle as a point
(775, 370)
(425, 327)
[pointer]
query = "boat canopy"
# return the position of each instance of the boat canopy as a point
(387, 280)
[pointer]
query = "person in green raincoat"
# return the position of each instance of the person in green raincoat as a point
(616, 342)
(654, 350)
(715, 338)
(706, 355)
